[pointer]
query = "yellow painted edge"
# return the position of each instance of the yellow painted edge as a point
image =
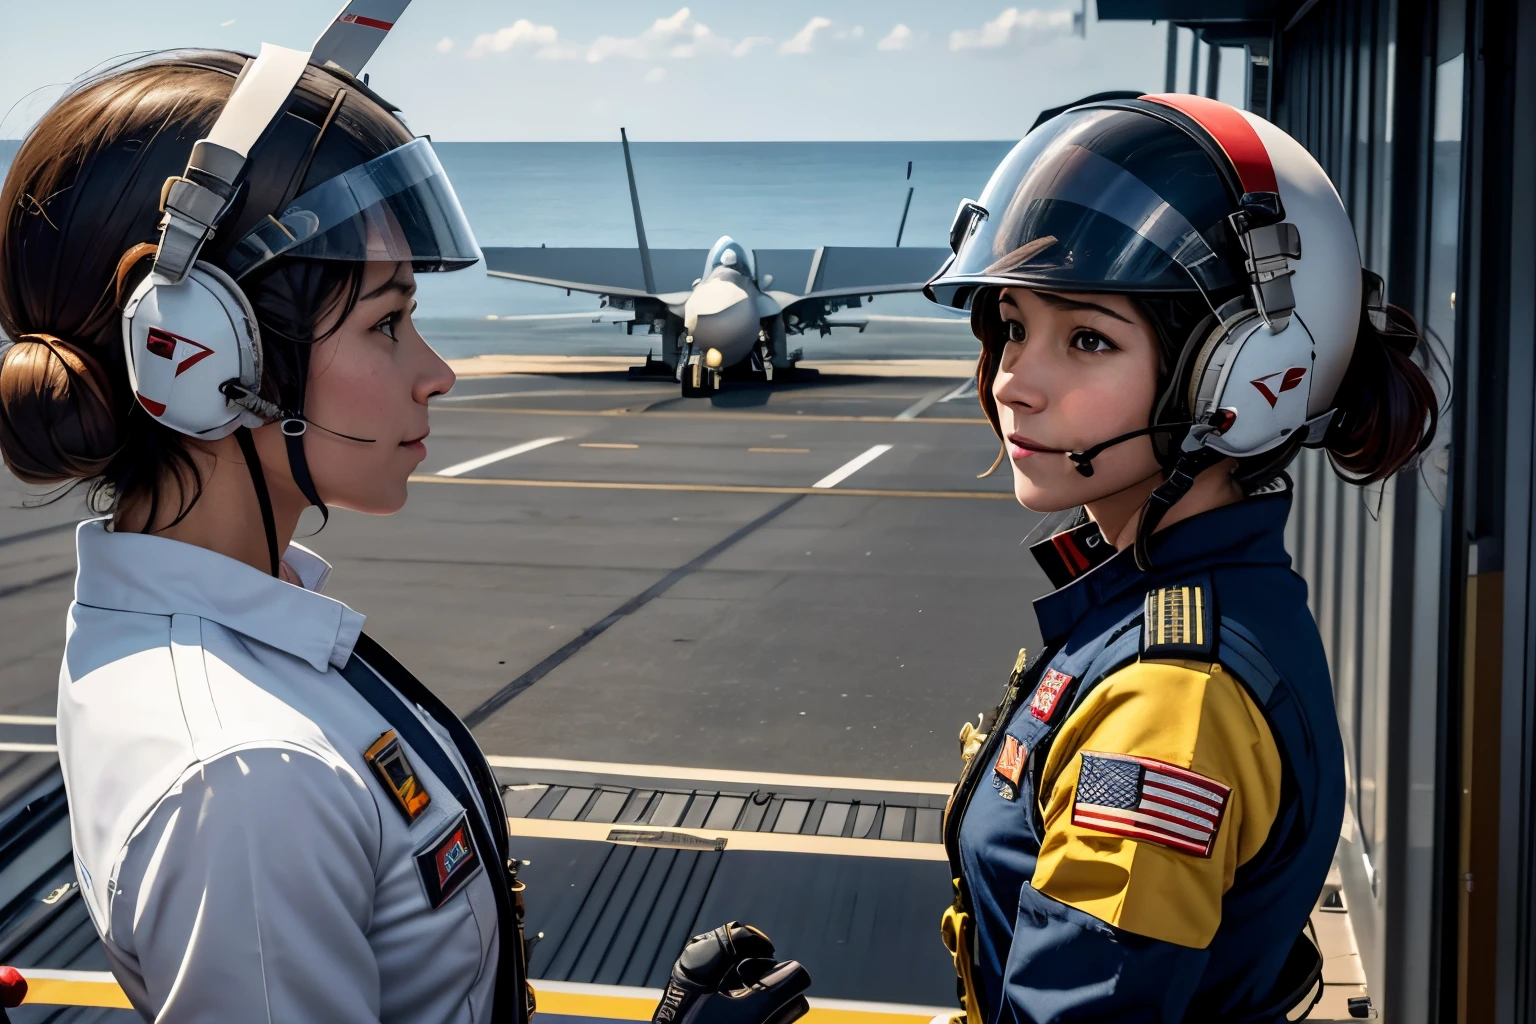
(582, 1004)
(57, 991)
(74, 992)
(607, 485)
(774, 842)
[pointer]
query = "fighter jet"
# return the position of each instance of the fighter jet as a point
(724, 312)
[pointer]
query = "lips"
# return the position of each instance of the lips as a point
(1021, 447)
(415, 440)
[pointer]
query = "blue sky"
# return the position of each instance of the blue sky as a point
(711, 70)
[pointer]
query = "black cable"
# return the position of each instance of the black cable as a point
(259, 481)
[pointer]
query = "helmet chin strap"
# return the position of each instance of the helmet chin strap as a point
(1180, 479)
(259, 480)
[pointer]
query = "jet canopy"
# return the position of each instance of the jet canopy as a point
(727, 252)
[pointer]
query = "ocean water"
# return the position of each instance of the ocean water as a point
(764, 194)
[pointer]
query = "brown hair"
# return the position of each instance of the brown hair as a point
(82, 192)
(1387, 406)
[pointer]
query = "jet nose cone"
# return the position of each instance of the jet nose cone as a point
(711, 298)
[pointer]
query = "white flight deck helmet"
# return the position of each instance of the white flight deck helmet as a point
(193, 346)
(1173, 194)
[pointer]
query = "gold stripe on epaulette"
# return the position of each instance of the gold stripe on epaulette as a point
(1176, 615)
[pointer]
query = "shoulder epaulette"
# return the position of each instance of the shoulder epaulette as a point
(1179, 621)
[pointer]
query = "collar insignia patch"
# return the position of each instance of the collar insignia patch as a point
(448, 861)
(387, 759)
(1043, 704)
(1010, 761)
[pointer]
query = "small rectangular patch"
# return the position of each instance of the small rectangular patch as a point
(387, 759)
(1043, 704)
(1149, 800)
(448, 862)
(1010, 760)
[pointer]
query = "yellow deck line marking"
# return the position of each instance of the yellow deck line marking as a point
(781, 451)
(664, 414)
(613, 485)
(580, 999)
(731, 775)
(28, 748)
(73, 988)
(772, 842)
(601, 444)
(557, 998)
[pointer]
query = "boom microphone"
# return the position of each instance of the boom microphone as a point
(293, 423)
(1084, 459)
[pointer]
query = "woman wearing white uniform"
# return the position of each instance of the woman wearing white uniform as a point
(264, 830)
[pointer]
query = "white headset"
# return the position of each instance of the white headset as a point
(193, 346)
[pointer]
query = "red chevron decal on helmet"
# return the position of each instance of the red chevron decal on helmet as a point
(1291, 380)
(163, 344)
(1232, 132)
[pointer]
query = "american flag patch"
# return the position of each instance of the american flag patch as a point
(1149, 800)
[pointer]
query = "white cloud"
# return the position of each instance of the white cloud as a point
(1013, 26)
(678, 36)
(226, 24)
(444, 45)
(805, 39)
(655, 75)
(542, 39)
(747, 45)
(898, 38)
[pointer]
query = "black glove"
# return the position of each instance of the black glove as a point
(730, 976)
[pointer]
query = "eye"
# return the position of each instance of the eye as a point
(1092, 342)
(387, 325)
(391, 323)
(1015, 331)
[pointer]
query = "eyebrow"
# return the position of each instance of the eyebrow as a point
(1062, 302)
(392, 285)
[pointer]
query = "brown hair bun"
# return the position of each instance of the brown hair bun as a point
(57, 419)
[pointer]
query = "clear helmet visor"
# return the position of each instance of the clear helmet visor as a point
(396, 208)
(1097, 199)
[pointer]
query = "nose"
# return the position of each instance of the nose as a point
(1018, 383)
(435, 378)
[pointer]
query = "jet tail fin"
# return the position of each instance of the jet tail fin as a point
(634, 200)
(902, 227)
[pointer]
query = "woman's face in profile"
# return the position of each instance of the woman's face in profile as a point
(1077, 369)
(372, 378)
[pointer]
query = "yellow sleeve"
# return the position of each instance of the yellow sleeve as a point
(1193, 716)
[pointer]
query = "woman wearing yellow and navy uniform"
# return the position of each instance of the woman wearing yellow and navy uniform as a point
(1171, 305)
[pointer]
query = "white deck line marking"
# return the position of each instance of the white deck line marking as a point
(920, 406)
(459, 469)
(29, 748)
(837, 476)
(665, 771)
(554, 393)
(28, 720)
(90, 977)
(770, 842)
(964, 389)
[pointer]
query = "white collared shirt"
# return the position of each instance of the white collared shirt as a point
(239, 858)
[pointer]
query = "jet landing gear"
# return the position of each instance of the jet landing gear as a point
(700, 373)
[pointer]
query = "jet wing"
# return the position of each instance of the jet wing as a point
(600, 271)
(848, 270)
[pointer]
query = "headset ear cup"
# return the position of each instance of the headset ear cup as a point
(182, 342)
(1170, 406)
